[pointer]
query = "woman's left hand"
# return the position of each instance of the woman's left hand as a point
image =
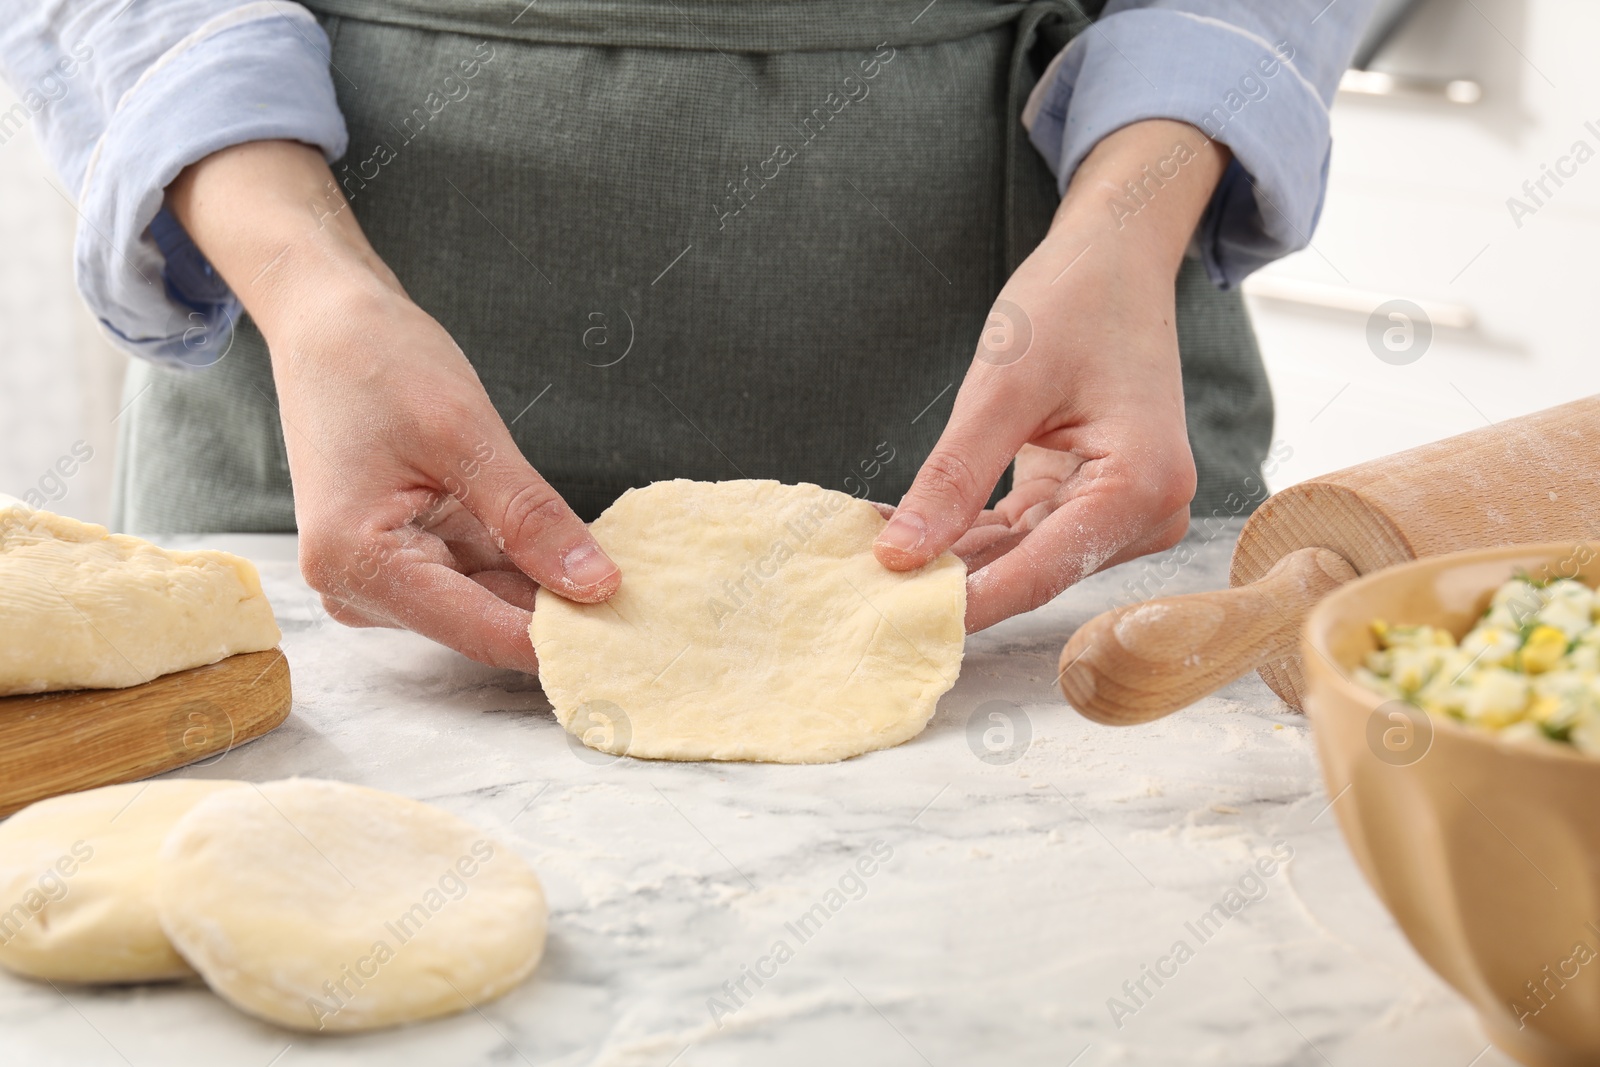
(1077, 378)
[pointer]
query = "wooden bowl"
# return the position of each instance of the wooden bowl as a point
(1486, 852)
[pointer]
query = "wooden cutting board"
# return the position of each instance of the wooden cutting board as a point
(53, 743)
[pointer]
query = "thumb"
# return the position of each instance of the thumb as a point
(536, 529)
(949, 492)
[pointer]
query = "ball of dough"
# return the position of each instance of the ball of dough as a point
(753, 623)
(325, 906)
(81, 608)
(77, 883)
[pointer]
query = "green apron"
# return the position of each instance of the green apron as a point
(702, 238)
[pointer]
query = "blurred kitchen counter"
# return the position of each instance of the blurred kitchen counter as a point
(1018, 898)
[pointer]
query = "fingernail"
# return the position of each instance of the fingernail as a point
(586, 565)
(904, 532)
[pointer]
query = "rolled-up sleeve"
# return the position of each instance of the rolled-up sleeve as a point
(1256, 77)
(123, 95)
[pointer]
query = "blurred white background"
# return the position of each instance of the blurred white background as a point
(60, 382)
(1416, 209)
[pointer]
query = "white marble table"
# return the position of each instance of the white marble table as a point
(1016, 899)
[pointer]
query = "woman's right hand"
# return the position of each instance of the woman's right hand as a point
(414, 505)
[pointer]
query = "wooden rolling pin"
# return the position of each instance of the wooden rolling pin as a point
(1535, 478)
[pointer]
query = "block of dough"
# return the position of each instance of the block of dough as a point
(84, 609)
(77, 883)
(753, 623)
(326, 906)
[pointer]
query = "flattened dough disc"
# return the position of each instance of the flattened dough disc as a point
(326, 906)
(77, 883)
(753, 623)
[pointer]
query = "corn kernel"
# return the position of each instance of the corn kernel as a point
(1543, 649)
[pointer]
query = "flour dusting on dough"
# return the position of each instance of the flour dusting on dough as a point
(753, 623)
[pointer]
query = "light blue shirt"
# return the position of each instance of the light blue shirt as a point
(1254, 75)
(123, 94)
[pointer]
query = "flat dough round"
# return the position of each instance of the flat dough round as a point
(77, 883)
(753, 623)
(325, 906)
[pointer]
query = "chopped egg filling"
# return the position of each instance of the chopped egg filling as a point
(1529, 670)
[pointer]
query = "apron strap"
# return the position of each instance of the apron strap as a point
(1029, 194)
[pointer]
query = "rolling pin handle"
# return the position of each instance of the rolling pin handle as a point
(1139, 663)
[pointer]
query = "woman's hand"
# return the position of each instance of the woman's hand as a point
(1077, 378)
(415, 507)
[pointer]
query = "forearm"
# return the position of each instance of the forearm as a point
(270, 218)
(1141, 192)
(123, 97)
(1258, 78)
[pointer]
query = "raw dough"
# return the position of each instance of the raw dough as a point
(753, 623)
(84, 609)
(321, 905)
(77, 883)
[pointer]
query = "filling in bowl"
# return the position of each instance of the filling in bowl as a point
(1528, 671)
